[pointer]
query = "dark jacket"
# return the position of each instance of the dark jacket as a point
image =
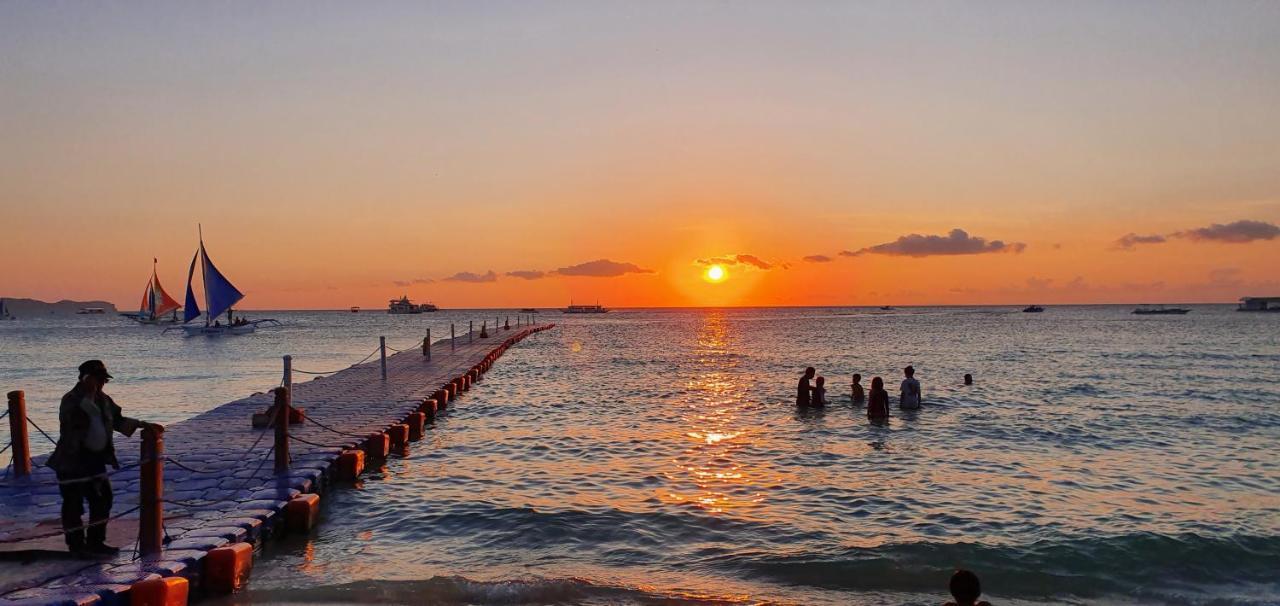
(73, 427)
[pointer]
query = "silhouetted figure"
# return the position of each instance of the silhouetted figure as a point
(803, 391)
(909, 396)
(966, 589)
(86, 419)
(968, 379)
(856, 388)
(878, 403)
(819, 392)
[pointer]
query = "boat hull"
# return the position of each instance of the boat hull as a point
(218, 331)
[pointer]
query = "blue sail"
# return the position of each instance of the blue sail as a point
(191, 311)
(219, 293)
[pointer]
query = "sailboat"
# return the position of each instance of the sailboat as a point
(219, 297)
(157, 306)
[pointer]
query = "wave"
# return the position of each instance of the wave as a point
(460, 590)
(1141, 565)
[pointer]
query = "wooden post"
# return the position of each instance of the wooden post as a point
(288, 373)
(382, 346)
(426, 345)
(151, 524)
(453, 338)
(283, 403)
(18, 434)
(471, 328)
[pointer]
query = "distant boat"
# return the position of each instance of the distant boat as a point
(585, 309)
(157, 306)
(1160, 311)
(1033, 309)
(91, 311)
(220, 295)
(404, 306)
(1271, 304)
(355, 309)
(886, 308)
(528, 310)
(4, 312)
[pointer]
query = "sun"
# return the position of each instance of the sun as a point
(715, 273)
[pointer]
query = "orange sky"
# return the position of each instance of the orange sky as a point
(342, 157)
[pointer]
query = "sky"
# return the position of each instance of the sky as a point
(522, 154)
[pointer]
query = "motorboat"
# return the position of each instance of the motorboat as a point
(404, 306)
(1160, 311)
(1032, 309)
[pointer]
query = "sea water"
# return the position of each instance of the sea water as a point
(657, 456)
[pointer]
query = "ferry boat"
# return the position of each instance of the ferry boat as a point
(1032, 309)
(585, 309)
(1160, 311)
(528, 310)
(355, 309)
(404, 306)
(1271, 304)
(91, 311)
(220, 296)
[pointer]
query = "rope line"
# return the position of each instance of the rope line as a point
(242, 458)
(68, 530)
(33, 424)
(416, 345)
(323, 426)
(4, 414)
(308, 442)
(252, 477)
(329, 372)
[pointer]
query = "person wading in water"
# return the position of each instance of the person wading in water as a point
(86, 419)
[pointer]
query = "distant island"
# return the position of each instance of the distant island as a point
(32, 308)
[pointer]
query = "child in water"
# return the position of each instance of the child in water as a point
(878, 405)
(858, 395)
(819, 392)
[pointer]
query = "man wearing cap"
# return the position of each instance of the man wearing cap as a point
(86, 419)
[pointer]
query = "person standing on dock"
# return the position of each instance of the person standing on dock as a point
(803, 390)
(86, 419)
(909, 397)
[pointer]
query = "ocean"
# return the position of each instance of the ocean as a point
(657, 457)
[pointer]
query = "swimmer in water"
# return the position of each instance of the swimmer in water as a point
(968, 379)
(966, 589)
(858, 394)
(819, 392)
(878, 404)
(909, 397)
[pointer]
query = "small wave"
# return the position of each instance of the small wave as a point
(461, 590)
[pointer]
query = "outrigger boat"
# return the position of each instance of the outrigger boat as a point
(220, 295)
(157, 306)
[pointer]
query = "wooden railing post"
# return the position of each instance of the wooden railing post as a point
(426, 345)
(453, 338)
(288, 373)
(382, 345)
(283, 403)
(18, 434)
(471, 328)
(151, 487)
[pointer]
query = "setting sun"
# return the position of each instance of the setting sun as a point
(716, 273)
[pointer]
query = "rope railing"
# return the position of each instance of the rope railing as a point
(329, 372)
(326, 427)
(54, 533)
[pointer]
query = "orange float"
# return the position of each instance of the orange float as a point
(302, 512)
(226, 569)
(167, 591)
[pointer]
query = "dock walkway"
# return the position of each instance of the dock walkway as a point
(219, 483)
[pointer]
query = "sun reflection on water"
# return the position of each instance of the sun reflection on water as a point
(709, 473)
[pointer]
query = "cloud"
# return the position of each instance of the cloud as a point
(1130, 240)
(527, 274)
(818, 259)
(602, 268)
(466, 276)
(732, 260)
(412, 282)
(958, 242)
(1238, 232)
